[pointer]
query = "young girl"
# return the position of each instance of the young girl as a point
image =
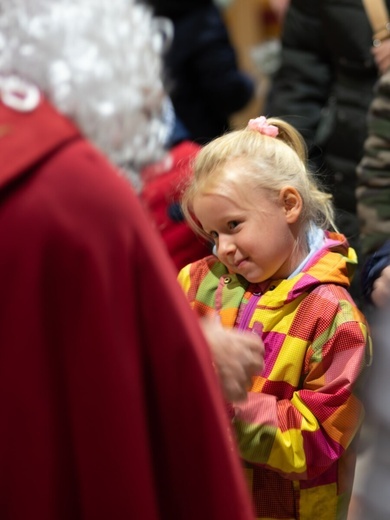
(278, 272)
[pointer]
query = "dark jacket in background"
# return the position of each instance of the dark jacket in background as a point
(173, 9)
(203, 76)
(325, 85)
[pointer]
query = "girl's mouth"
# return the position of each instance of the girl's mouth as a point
(240, 263)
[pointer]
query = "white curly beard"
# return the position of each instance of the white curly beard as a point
(99, 62)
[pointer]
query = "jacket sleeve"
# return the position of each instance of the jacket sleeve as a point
(301, 437)
(301, 87)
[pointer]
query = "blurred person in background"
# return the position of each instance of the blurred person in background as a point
(324, 87)
(373, 500)
(373, 190)
(162, 185)
(370, 497)
(203, 77)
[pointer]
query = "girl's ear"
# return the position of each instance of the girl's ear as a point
(291, 202)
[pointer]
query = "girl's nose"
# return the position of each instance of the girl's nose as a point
(225, 245)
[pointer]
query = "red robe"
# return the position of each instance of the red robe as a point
(109, 406)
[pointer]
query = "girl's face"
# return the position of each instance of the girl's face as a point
(254, 231)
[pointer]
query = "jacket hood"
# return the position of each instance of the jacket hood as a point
(334, 263)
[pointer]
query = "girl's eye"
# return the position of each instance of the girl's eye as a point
(213, 235)
(233, 224)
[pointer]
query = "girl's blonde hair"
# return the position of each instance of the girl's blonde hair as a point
(268, 162)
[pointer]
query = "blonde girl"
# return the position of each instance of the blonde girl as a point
(281, 270)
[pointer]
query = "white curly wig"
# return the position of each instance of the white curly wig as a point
(99, 62)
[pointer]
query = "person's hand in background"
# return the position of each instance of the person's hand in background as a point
(279, 7)
(381, 55)
(380, 295)
(237, 355)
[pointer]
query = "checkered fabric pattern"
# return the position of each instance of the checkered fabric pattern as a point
(296, 431)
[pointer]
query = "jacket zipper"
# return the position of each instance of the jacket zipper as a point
(248, 313)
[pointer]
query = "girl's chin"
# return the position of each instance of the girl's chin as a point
(251, 277)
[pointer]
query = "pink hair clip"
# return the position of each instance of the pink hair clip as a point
(260, 124)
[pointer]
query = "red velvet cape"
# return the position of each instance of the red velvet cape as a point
(109, 406)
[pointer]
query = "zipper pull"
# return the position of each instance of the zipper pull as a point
(258, 328)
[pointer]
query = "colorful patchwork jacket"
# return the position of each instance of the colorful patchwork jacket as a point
(296, 430)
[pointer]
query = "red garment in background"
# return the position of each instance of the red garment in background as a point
(163, 185)
(109, 406)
